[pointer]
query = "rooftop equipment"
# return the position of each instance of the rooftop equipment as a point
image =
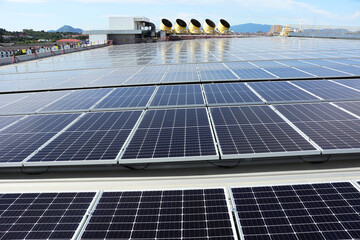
(165, 25)
(209, 27)
(180, 26)
(194, 26)
(223, 26)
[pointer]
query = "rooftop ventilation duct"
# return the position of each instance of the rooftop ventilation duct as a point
(165, 25)
(209, 26)
(180, 26)
(194, 26)
(223, 26)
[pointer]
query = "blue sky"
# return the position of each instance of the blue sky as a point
(93, 14)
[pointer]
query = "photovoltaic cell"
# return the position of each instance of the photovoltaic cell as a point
(145, 78)
(323, 72)
(283, 72)
(268, 64)
(213, 75)
(77, 100)
(96, 138)
(349, 69)
(307, 211)
(353, 107)
(178, 95)
(174, 77)
(334, 130)
(354, 83)
(127, 98)
(256, 131)
(169, 214)
(239, 65)
(254, 73)
(329, 91)
(230, 94)
(5, 121)
(171, 135)
(24, 137)
(277, 92)
(42, 215)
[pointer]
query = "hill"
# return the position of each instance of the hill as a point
(251, 28)
(67, 28)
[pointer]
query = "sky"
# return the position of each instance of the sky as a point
(93, 14)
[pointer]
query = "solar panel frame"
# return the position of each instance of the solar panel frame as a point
(166, 190)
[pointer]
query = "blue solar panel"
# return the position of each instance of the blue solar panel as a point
(145, 78)
(214, 75)
(354, 83)
(288, 73)
(353, 107)
(77, 100)
(6, 121)
(169, 214)
(42, 215)
(24, 137)
(323, 72)
(328, 90)
(211, 66)
(239, 65)
(268, 64)
(277, 92)
(96, 138)
(127, 98)
(334, 130)
(174, 77)
(295, 63)
(345, 61)
(254, 73)
(307, 211)
(348, 69)
(172, 135)
(320, 62)
(230, 94)
(178, 95)
(256, 131)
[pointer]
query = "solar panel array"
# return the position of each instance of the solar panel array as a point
(208, 99)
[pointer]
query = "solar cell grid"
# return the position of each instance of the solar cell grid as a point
(323, 72)
(287, 73)
(96, 138)
(353, 107)
(229, 94)
(307, 211)
(145, 78)
(169, 214)
(211, 66)
(180, 77)
(214, 75)
(268, 64)
(253, 73)
(171, 135)
(239, 65)
(6, 121)
(256, 131)
(348, 69)
(354, 83)
(42, 215)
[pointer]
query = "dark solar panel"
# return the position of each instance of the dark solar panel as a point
(169, 214)
(96, 138)
(6, 121)
(277, 92)
(254, 73)
(308, 211)
(230, 94)
(127, 98)
(334, 130)
(354, 83)
(178, 95)
(172, 135)
(42, 215)
(256, 131)
(329, 90)
(353, 107)
(77, 100)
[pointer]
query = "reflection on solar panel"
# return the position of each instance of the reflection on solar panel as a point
(334, 130)
(42, 215)
(268, 64)
(96, 138)
(349, 69)
(211, 66)
(24, 137)
(256, 131)
(323, 72)
(255, 73)
(32, 103)
(353, 107)
(145, 78)
(329, 90)
(354, 83)
(230, 94)
(5, 121)
(127, 98)
(308, 211)
(6, 99)
(320, 62)
(172, 135)
(77, 100)
(171, 214)
(288, 73)
(182, 68)
(239, 65)
(180, 77)
(213, 75)
(345, 61)
(178, 95)
(277, 92)
(295, 63)
(110, 80)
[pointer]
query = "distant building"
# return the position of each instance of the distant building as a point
(275, 29)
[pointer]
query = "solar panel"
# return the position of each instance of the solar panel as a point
(254, 73)
(177, 96)
(21, 139)
(304, 211)
(334, 130)
(287, 73)
(145, 78)
(328, 90)
(295, 63)
(214, 75)
(168, 214)
(182, 68)
(6, 121)
(230, 94)
(96, 138)
(268, 64)
(256, 131)
(172, 135)
(345, 61)
(354, 83)
(239, 65)
(110, 80)
(174, 77)
(79, 100)
(353, 107)
(323, 72)
(277, 92)
(43, 215)
(126, 98)
(211, 66)
(348, 69)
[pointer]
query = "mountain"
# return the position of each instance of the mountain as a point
(67, 28)
(251, 28)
